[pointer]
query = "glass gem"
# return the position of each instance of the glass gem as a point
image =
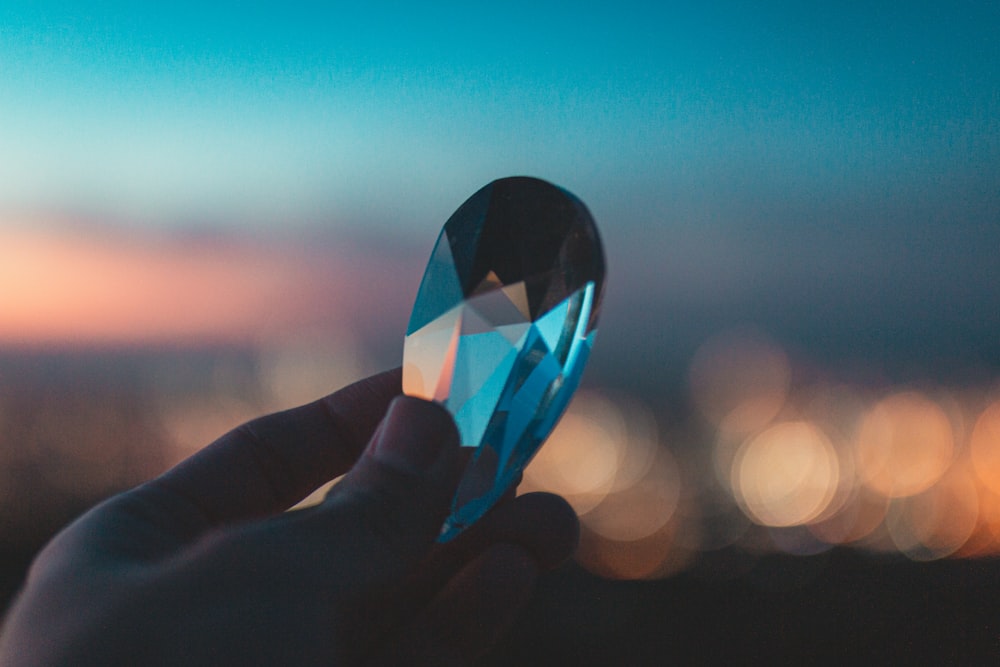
(502, 327)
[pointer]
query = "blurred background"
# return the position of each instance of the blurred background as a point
(787, 444)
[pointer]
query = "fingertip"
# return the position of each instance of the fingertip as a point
(550, 525)
(414, 435)
(399, 493)
(268, 464)
(542, 523)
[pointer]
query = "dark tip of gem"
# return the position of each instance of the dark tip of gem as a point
(523, 228)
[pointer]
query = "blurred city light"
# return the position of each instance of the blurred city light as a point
(905, 445)
(739, 380)
(787, 475)
(985, 447)
(777, 455)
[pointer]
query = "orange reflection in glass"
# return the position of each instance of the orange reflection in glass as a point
(786, 475)
(905, 445)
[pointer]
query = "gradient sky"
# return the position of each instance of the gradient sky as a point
(388, 114)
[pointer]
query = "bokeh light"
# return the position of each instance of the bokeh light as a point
(311, 363)
(861, 514)
(651, 557)
(984, 447)
(582, 455)
(938, 521)
(805, 467)
(606, 458)
(985, 538)
(190, 423)
(905, 445)
(739, 380)
(786, 475)
(770, 459)
(642, 508)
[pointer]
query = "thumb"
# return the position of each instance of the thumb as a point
(388, 510)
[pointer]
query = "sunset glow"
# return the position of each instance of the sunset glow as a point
(81, 289)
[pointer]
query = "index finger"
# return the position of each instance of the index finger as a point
(268, 464)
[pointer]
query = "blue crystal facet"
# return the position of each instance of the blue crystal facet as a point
(502, 327)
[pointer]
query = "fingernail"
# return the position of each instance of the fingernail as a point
(414, 434)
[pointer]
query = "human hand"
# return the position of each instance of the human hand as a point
(202, 565)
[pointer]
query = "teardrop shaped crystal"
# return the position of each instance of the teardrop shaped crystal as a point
(502, 327)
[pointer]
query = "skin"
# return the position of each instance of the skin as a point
(203, 565)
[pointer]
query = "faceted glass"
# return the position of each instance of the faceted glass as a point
(502, 327)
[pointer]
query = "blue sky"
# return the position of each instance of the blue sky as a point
(387, 114)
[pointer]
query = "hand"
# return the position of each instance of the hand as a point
(203, 566)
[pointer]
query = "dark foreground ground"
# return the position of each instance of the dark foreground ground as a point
(839, 608)
(842, 607)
